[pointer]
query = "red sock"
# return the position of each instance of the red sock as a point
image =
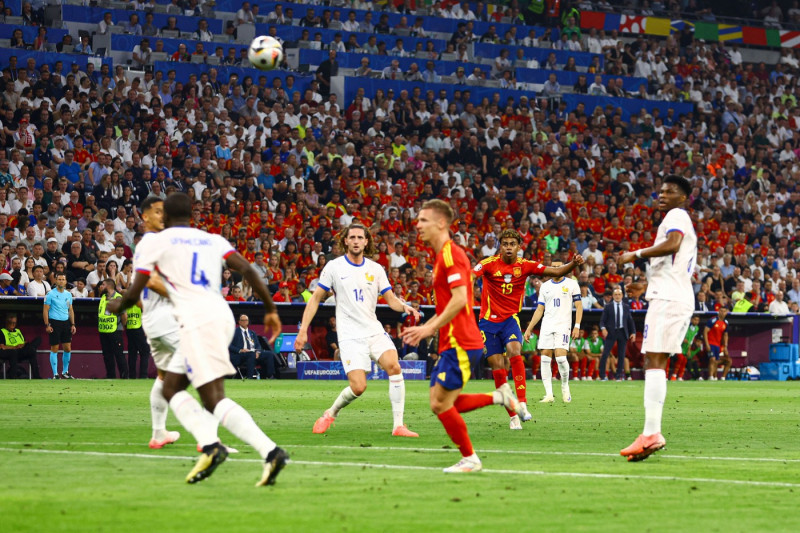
(681, 365)
(518, 371)
(456, 428)
(536, 362)
(574, 366)
(500, 377)
(469, 402)
(583, 366)
(592, 367)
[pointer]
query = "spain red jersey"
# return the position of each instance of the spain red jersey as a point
(716, 329)
(450, 270)
(504, 286)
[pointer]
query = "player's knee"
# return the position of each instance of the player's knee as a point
(393, 369)
(437, 406)
(358, 388)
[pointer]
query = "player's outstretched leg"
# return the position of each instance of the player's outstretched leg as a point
(158, 412)
(547, 380)
(651, 440)
(563, 370)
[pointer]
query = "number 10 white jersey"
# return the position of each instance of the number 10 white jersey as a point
(190, 263)
(557, 299)
(357, 288)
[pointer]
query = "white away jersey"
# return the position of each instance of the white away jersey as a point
(357, 288)
(190, 263)
(557, 300)
(670, 277)
(158, 315)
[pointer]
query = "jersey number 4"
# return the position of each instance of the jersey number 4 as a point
(198, 276)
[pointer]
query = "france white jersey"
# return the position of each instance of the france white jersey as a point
(190, 263)
(670, 277)
(357, 288)
(557, 299)
(158, 315)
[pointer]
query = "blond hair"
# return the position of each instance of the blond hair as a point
(441, 207)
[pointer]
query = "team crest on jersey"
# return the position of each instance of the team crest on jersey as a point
(565, 289)
(517, 271)
(507, 278)
(369, 277)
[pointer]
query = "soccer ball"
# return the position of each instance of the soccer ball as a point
(265, 52)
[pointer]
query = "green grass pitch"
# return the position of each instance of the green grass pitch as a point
(74, 457)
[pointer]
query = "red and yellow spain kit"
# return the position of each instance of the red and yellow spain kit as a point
(504, 286)
(452, 269)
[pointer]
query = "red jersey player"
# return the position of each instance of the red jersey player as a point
(459, 338)
(504, 277)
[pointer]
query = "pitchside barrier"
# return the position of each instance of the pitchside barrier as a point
(750, 334)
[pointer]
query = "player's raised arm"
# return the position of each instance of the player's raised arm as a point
(272, 321)
(308, 315)
(537, 316)
(563, 270)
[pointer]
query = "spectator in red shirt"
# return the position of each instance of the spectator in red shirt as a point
(283, 294)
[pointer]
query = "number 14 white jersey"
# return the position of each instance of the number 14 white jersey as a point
(557, 300)
(190, 263)
(357, 288)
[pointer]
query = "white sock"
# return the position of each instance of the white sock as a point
(563, 369)
(194, 418)
(239, 422)
(397, 395)
(158, 409)
(343, 400)
(547, 375)
(655, 391)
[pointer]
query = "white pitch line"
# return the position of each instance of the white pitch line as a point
(434, 450)
(626, 477)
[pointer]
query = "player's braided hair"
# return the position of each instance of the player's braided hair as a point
(510, 234)
(369, 250)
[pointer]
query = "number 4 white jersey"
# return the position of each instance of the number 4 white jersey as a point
(557, 300)
(190, 263)
(357, 288)
(670, 277)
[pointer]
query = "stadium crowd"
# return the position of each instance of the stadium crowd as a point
(279, 173)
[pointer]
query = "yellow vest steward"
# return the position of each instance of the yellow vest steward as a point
(742, 306)
(134, 318)
(13, 338)
(106, 323)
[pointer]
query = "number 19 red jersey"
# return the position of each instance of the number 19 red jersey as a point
(504, 286)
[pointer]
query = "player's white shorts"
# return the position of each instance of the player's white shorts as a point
(665, 326)
(554, 341)
(357, 353)
(163, 348)
(203, 352)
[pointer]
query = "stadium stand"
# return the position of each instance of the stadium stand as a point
(560, 126)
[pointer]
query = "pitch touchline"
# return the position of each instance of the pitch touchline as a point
(445, 450)
(428, 468)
